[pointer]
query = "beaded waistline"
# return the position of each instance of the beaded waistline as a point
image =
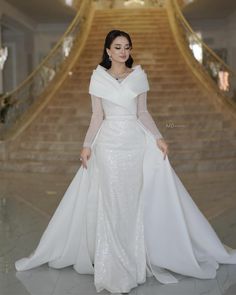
(121, 117)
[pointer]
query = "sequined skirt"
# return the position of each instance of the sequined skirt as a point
(120, 249)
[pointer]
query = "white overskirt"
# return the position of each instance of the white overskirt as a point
(129, 216)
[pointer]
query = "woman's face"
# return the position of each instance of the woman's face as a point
(119, 49)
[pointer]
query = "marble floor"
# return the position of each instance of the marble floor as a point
(27, 200)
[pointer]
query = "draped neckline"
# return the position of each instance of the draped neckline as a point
(114, 79)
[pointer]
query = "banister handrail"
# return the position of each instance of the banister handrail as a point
(19, 106)
(220, 74)
(50, 54)
(188, 26)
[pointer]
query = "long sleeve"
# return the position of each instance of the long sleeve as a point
(95, 122)
(145, 117)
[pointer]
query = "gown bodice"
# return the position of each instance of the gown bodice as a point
(102, 108)
(112, 109)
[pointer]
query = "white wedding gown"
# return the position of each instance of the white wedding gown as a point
(128, 216)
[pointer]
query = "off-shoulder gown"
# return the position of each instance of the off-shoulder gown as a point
(128, 215)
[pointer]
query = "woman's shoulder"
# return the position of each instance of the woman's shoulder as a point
(135, 66)
(98, 70)
(138, 67)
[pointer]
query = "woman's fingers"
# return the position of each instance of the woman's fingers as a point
(164, 149)
(164, 152)
(84, 156)
(84, 163)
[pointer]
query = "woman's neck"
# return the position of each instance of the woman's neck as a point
(118, 68)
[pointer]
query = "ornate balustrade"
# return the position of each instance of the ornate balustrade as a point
(216, 68)
(16, 103)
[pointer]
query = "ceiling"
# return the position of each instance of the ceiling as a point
(51, 11)
(210, 9)
(44, 11)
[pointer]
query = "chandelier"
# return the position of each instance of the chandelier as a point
(3, 57)
(130, 2)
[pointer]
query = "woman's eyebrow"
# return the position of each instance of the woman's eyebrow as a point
(121, 44)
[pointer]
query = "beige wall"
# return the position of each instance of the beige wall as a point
(45, 37)
(28, 43)
(219, 33)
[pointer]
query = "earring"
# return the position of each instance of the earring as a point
(110, 58)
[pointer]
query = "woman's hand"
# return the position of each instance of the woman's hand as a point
(85, 154)
(162, 146)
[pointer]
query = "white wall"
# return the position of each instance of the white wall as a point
(45, 36)
(12, 12)
(28, 43)
(231, 39)
(219, 33)
(15, 30)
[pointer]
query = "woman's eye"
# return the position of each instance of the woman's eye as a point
(127, 48)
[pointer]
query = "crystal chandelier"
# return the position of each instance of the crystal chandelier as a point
(69, 2)
(67, 45)
(3, 57)
(130, 2)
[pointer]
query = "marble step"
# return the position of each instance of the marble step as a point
(64, 167)
(201, 144)
(129, 19)
(82, 70)
(177, 140)
(145, 30)
(222, 164)
(45, 155)
(146, 55)
(154, 106)
(168, 124)
(218, 142)
(158, 77)
(82, 101)
(81, 98)
(152, 81)
(105, 15)
(55, 146)
(181, 134)
(168, 116)
(196, 143)
(154, 86)
(170, 130)
(206, 154)
(186, 93)
(52, 151)
(148, 62)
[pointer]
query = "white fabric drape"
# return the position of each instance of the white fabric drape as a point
(128, 215)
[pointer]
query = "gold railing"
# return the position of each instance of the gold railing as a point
(215, 67)
(15, 104)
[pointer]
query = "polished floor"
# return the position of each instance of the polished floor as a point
(28, 200)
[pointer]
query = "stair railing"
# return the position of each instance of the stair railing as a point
(15, 104)
(216, 68)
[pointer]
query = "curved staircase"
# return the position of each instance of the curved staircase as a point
(200, 135)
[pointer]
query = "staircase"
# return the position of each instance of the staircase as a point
(201, 137)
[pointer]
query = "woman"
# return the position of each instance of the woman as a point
(126, 215)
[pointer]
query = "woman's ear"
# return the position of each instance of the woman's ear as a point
(108, 51)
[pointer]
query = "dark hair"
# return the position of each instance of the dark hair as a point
(106, 63)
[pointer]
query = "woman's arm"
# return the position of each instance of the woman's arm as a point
(95, 122)
(145, 117)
